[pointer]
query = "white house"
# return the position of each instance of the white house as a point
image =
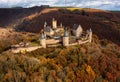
(48, 31)
(77, 30)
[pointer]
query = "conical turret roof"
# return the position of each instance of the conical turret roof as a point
(90, 30)
(42, 36)
(65, 33)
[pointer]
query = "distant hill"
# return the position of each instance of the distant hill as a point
(17, 7)
(15, 15)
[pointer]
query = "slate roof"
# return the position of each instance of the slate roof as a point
(42, 36)
(65, 33)
(90, 30)
(47, 29)
(45, 23)
(75, 26)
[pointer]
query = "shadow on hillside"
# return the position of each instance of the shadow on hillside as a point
(9, 16)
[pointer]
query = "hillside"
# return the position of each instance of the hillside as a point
(98, 61)
(105, 24)
(13, 16)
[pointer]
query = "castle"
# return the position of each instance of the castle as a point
(58, 35)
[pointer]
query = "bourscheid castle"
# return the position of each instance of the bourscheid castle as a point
(52, 36)
(59, 35)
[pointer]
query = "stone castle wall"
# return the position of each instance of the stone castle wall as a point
(65, 41)
(52, 41)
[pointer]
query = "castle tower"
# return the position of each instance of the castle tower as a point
(87, 34)
(61, 25)
(54, 23)
(43, 40)
(66, 39)
(90, 35)
(45, 24)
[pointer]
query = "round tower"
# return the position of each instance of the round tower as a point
(54, 23)
(90, 35)
(61, 25)
(43, 41)
(66, 39)
(45, 24)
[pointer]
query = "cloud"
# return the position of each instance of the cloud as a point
(101, 4)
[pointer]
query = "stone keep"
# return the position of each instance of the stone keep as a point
(43, 41)
(77, 30)
(54, 23)
(65, 39)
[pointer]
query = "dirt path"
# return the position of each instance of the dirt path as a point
(28, 49)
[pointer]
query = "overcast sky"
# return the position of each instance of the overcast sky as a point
(100, 4)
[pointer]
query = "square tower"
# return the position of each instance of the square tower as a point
(54, 23)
